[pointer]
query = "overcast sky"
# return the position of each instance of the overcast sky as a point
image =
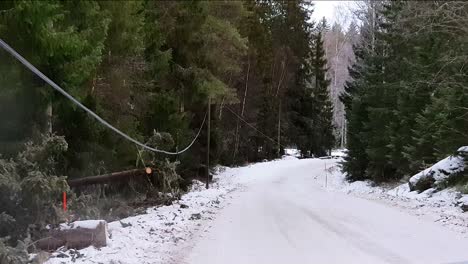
(327, 9)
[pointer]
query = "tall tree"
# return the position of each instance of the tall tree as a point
(324, 137)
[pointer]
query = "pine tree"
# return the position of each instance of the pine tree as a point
(323, 122)
(356, 160)
(384, 77)
(364, 74)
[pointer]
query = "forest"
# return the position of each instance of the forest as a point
(390, 87)
(150, 68)
(407, 97)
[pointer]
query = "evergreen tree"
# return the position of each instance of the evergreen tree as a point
(404, 104)
(364, 74)
(382, 75)
(323, 122)
(356, 160)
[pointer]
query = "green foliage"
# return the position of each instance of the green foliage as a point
(406, 105)
(323, 127)
(31, 186)
(13, 255)
(167, 179)
(149, 68)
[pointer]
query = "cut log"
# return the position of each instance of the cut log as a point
(78, 237)
(107, 177)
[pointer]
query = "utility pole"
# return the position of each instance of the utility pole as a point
(208, 145)
(279, 129)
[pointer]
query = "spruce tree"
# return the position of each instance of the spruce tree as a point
(323, 121)
(364, 73)
(356, 160)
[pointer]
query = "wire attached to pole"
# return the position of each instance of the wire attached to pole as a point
(31, 67)
(253, 127)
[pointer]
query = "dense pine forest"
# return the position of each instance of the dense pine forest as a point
(390, 87)
(150, 68)
(407, 99)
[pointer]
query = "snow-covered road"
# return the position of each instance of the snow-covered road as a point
(286, 215)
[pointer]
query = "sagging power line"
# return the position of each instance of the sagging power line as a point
(253, 127)
(33, 69)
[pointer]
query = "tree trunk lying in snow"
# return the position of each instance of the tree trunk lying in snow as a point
(115, 176)
(82, 234)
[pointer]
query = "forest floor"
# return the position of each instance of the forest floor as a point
(289, 211)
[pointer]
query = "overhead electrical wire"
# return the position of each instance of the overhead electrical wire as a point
(247, 123)
(31, 67)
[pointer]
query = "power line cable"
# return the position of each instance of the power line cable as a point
(31, 67)
(247, 123)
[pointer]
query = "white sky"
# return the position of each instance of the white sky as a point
(328, 9)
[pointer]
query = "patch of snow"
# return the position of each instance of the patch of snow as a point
(463, 203)
(339, 153)
(463, 149)
(89, 224)
(443, 207)
(464, 199)
(361, 187)
(292, 152)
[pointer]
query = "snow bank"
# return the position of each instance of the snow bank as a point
(464, 203)
(463, 149)
(151, 237)
(292, 152)
(445, 207)
(361, 187)
(338, 182)
(437, 173)
(339, 153)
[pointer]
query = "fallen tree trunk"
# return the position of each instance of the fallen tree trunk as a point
(77, 238)
(106, 177)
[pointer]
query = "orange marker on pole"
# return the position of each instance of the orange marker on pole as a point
(64, 198)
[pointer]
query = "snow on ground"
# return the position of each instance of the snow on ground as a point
(292, 152)
(303, 214)
(156, 236)
(463, 149)
(439, 206)
(339, 153)
(163, 232)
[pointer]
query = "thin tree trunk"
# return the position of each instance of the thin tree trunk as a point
(279, 128)
(246, 86)
(281, 77)
(49, 118)
(236, 145)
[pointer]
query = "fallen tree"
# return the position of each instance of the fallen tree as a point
(110, 177)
